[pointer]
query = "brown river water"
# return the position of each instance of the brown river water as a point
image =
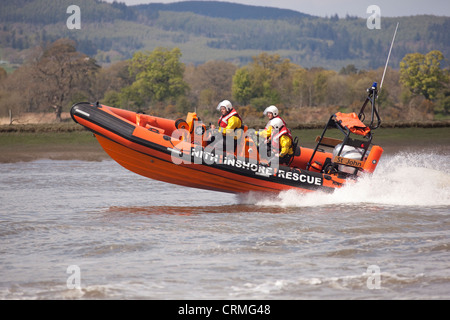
(93, 230)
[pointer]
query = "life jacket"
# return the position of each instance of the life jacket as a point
(275, 138)
(223, 121)
(352, 123)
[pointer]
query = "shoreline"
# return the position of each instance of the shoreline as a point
(82, 145)
(27, 153)
(69, 126)
(65, 145)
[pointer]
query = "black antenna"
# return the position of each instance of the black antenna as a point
(373, 94)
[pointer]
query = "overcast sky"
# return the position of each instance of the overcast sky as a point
(388, 8)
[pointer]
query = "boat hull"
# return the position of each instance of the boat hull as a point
(152, 151)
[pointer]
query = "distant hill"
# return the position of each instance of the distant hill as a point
(210, 30)
(214, 9)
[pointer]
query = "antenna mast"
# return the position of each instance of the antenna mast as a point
(389, 55)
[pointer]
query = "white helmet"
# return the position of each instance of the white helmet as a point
(272, 109)
(276, 123)
(225, 103)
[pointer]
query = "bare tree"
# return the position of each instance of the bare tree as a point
(60, 72)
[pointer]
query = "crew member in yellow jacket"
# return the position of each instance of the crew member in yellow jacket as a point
(281, 140)
(230, 123)
(272, 113)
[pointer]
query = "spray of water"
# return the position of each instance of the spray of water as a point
(404, 179)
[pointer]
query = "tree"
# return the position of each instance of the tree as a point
(242, 86)
(210, 83)
(159, 75)
(3, 74)
(422, 74)
(60, 72)
(300, 90)
(114, 78)
(349, 69)
(265, 81)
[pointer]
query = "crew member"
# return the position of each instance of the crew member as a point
(281, 140)
(230, 123)
(272, 113)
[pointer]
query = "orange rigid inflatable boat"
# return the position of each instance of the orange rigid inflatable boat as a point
(177, 152)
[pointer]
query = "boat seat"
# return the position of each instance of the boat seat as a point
(297, 150)
(154, 129)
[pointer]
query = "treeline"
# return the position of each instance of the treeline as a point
(235, 31)
(308, 38)
(25, 24)
(158, 83)
(44, 12)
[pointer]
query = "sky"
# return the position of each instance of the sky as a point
(327, 8)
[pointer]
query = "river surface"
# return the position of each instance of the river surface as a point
(93, 230)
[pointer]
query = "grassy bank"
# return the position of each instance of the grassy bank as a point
(393, 140)
(70, 141)
(29, 146)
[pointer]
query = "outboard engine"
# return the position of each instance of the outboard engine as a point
(350, 153)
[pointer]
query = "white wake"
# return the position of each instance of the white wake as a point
(404, 179)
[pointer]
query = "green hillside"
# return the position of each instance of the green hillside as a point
(215, 31)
